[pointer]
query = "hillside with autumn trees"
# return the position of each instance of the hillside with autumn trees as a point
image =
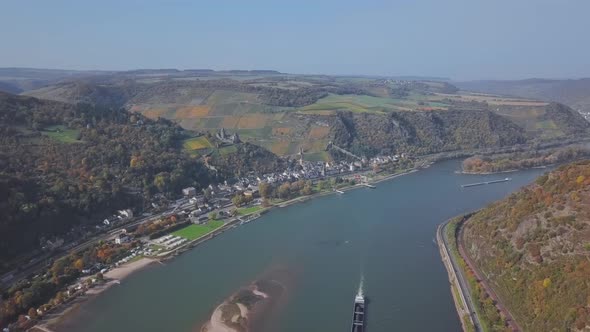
(516, 161)
(534, 248)
(63, 165)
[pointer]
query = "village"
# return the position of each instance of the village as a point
(172, 227)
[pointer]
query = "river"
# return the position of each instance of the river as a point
(385, 234)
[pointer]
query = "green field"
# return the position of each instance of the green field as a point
(62, 134)
(196, 231)
(249, 210)
(370, 104)
(547, 125)
(317, 156)
(228, 149)
(358, 104)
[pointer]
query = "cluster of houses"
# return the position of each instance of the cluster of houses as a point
(216, 197)
(308, 170)
(219, 196)
(115, 218)
(380, 160)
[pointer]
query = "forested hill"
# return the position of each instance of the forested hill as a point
(534, 246)
(425, 132)
(61, 165)
(245, 159)
(285, 114)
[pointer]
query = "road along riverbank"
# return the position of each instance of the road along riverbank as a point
(459, 287)
(458, 264)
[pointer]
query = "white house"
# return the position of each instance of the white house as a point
(126, 214)
(111, 220)
(190, 191)
(120, 239)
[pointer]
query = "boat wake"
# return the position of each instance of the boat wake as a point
(360, 291)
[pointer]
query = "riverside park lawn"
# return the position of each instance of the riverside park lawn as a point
(196, 231)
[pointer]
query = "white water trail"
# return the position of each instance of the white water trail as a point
(360, 291)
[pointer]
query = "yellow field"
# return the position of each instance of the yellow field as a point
(253, 121)
(188, 112)
(524, 114)
(318, 132)
(196, 143)
(279, 131)
(280, 148)
(154, 113)
(136, 108)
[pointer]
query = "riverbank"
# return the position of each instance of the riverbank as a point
(462, 274)
(507, 171)
(68, 310)
(123, 271)
(302, 199)
(516, 161)
(60, 315)
(459, 289)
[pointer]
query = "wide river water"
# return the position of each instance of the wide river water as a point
(385, 234)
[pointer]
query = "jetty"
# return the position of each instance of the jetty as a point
(369, 185)
(485, 182)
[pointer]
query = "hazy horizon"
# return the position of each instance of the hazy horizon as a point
(457, 39)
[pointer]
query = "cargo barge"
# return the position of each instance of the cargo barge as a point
(486, 182)
(358, 314)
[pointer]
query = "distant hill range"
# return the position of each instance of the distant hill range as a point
(574, 93)
(286, 113)
(17, 80)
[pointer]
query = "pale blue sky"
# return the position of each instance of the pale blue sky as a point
(461, 39)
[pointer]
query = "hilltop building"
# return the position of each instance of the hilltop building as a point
(230, 139)
(301, 156)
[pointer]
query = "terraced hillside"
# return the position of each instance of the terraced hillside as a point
(286, 113)
(534, 247)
